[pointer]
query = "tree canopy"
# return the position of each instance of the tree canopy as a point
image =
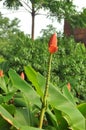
(57, 8)
(60, 9)
(8, 27)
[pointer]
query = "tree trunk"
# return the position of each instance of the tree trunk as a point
(33, 22)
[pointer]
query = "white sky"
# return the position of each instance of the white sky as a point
(40, 21)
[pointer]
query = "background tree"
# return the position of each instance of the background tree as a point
(48, 31)
(8, 34)
(32, 6)
(18, 50)
(7, 27)
(80, 22)
(59, 9)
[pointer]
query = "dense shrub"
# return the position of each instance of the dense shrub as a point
(72, 65)
(68, 65)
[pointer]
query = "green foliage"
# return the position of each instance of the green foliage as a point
(18, 50)
(22, 51)
(20, 101)
(72, 65)
(7, 27)
(80, 22)
(82, 108)
(8, 31)
(46, 33)
(60, 9)
(57, 8)
(68, 63)
(31, 97)
(61, 108)
(12, 3)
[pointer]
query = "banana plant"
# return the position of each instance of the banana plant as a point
(61, 112)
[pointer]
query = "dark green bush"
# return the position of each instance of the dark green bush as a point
(68, 65)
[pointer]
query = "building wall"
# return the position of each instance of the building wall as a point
(78, 33)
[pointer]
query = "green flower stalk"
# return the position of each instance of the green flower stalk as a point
(52, 49)
(44, 101)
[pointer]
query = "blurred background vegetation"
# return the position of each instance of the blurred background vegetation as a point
(69, 63)
(18, 50)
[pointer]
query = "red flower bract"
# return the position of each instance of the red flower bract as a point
(1, 73)
(52, 45)
(69, 86)
(22, 75)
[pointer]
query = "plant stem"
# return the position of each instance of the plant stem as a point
(44, 101)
